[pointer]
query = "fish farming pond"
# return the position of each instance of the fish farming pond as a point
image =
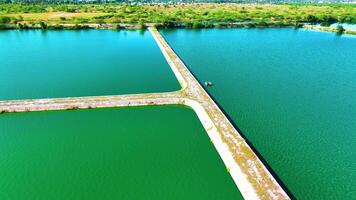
(121, 153)
(47, 64)
(291, 92)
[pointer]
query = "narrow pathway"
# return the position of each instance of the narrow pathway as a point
(90, 102)
(250, 175)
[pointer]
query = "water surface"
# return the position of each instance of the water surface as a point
(293, 95)
(127, 153)
(42, 64)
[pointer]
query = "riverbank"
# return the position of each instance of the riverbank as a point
(191, 15)
(61, 26)
(141, 26)
(328, 29)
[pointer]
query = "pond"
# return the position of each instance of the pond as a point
(44, 64)
(293, 95)
(119, 153)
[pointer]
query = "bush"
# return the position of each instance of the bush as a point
(188, 24)
(325, 24)
(81, 20)
(340, 29)
(312, 19)
(56, 27)
(329, 19)
(297, 25)
(3, 27)
(22, 26)
(197, 25)
(141, 25)
(75, 27)
(250, 25)
(168, 24)
(43, 25)
(5, 19)
(117, 27)
(261, 23)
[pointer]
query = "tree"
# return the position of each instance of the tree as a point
(311, 19)
(43, 25)
(197, 25)
(117, 27)
(340, 29)
(141, 25)
(5, 19)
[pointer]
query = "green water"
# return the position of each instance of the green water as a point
(293, 95)
(42, 64)
(127, 153)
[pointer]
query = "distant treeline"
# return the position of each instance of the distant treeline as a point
(174, 1)
(176, 15)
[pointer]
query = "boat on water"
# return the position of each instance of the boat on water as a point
(208, 83)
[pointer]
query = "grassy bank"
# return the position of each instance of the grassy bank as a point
(173, 15)
(330, 29)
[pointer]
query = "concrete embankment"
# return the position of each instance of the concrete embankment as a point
(90, 102)
(249, 173)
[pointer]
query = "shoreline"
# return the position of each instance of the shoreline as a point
(145, 26)
(328, 29)
(138, 26)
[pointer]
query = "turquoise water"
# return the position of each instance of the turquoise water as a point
(293, 95)
(42, 64)
(127, 153)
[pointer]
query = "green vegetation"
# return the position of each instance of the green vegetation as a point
(5, 19)
(43, 25)
(177, 15)
(340, 29)
(140, 25)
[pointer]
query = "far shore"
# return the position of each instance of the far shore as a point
(138, 26)
(329, 29)
(73, 26)
(174, 15)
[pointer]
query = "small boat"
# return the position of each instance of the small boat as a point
(208, 83)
